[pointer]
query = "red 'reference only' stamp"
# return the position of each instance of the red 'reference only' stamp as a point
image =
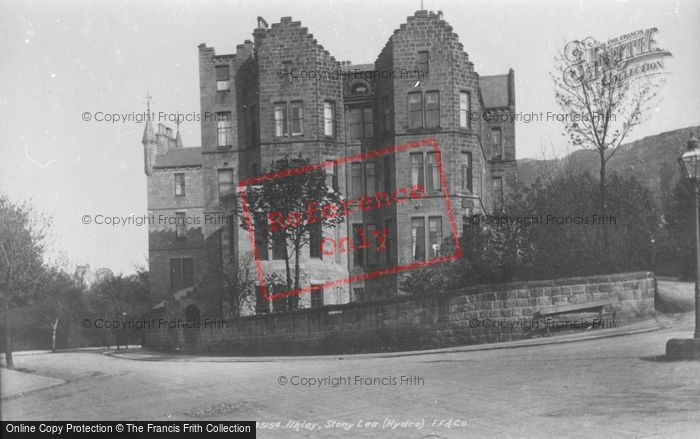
(376, 239)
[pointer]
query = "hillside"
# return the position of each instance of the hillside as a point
(642, 159)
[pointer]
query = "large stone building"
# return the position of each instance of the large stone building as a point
(282, 94)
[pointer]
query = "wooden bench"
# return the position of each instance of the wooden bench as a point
(597, 306)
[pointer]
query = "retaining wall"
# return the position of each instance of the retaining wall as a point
(478, 314)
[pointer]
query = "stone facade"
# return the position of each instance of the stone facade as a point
(473, 315)
(260, 104)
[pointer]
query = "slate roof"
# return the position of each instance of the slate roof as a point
(494, 90)
(179, 157)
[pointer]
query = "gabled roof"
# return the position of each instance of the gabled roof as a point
(494, 90)
(180, 157)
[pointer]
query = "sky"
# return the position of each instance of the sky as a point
(64, 58)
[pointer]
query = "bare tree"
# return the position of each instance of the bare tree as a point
(287, 210)
(600, 106)
(60, 301)
(22, 247)
(240, 282)
(118, 298)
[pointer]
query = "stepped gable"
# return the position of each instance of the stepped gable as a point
(288, 24)
(428, 22)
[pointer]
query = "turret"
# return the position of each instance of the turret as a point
(149, 148)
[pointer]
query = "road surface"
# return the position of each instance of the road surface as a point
(612, 387)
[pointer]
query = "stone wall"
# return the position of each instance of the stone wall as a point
(418, 322)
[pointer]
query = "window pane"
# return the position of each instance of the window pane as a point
(297, 118)
(328, 118)
(175, 274)
(358, 256)
(433, 172)
(372, 254)
(222, 73)
(417, 169)
(224, 125)
(423, 62)
(225, 181)
(180, 225)
(467, 178)
(435, 236)
(369, 122)
(261, 238)
(432, 108)
(418, 239)
(370, 179)
(464, 109)
(187, 272)
(496, 141)
(278, 245)
(355, 127)
(359, 294)
(356, 169)
(179, 184)
(386, 115)
(415, 110)
(315, 236)
(316, 296)
(497, 192)
(331, 172)
(280, 120)
(388, 230)
(222, 78)
(388, 184)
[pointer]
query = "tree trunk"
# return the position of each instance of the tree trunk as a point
(54, 326)
(294, 299)
(289, 275)
(9, 363)
(603, 206)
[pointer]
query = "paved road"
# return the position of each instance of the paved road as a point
(603, 388)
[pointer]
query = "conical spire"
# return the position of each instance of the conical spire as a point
(178, 140)
(149, 136)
